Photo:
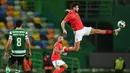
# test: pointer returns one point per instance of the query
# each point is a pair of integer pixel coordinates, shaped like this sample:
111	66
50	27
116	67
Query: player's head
19	23
120	58
60	38
75	7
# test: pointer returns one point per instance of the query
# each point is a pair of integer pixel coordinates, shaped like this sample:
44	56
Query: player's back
19	36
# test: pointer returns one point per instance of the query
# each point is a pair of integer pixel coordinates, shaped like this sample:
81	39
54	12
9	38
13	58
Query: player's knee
95	31
66	66
57	67
76	50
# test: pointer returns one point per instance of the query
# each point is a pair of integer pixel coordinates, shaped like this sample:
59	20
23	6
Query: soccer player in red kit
58	63
79	29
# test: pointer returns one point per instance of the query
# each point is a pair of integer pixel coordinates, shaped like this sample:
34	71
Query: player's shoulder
57	44
21	30
70	12
10	32
24	30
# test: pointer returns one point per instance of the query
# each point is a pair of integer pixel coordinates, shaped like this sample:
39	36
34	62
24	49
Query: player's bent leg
63	68
78	37
69	49
57	69
57	65
77	46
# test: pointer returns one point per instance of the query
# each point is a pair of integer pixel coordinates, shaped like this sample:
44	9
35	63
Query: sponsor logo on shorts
76	40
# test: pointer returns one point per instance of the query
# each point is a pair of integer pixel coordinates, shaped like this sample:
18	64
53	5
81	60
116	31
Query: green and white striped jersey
18	37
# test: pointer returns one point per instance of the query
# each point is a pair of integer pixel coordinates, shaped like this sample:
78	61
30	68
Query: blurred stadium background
42	20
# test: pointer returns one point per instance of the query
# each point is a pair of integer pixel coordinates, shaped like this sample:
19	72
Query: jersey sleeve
68	17
26	36
10	35
56	46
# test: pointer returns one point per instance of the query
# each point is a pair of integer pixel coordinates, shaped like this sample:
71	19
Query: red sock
62	69
56	71
109	32
66	49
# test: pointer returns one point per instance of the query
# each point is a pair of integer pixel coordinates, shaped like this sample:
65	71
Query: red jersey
55	55
74	19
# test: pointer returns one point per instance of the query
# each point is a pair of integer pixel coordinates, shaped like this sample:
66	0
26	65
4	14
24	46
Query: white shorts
82	32
58	63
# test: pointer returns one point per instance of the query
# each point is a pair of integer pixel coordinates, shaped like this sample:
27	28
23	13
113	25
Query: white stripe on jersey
26	37
10	37
19	51
18	55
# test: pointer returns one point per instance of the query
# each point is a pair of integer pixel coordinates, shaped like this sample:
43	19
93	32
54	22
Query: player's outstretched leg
100	31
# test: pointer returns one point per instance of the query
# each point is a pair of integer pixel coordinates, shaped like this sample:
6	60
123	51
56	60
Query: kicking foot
116	31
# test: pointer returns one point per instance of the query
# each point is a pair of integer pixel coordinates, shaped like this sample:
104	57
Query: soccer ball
121	24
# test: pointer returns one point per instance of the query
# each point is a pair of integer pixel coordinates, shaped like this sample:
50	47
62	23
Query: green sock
7	69
18	69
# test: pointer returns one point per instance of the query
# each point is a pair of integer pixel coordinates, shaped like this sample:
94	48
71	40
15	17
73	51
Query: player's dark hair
61	35
18	23
74	5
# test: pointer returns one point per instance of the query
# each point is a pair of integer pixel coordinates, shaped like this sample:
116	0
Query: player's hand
64	32
29	54
67	10
64	54
5	56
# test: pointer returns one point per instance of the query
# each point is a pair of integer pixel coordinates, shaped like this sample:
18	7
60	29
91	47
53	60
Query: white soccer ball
121	24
